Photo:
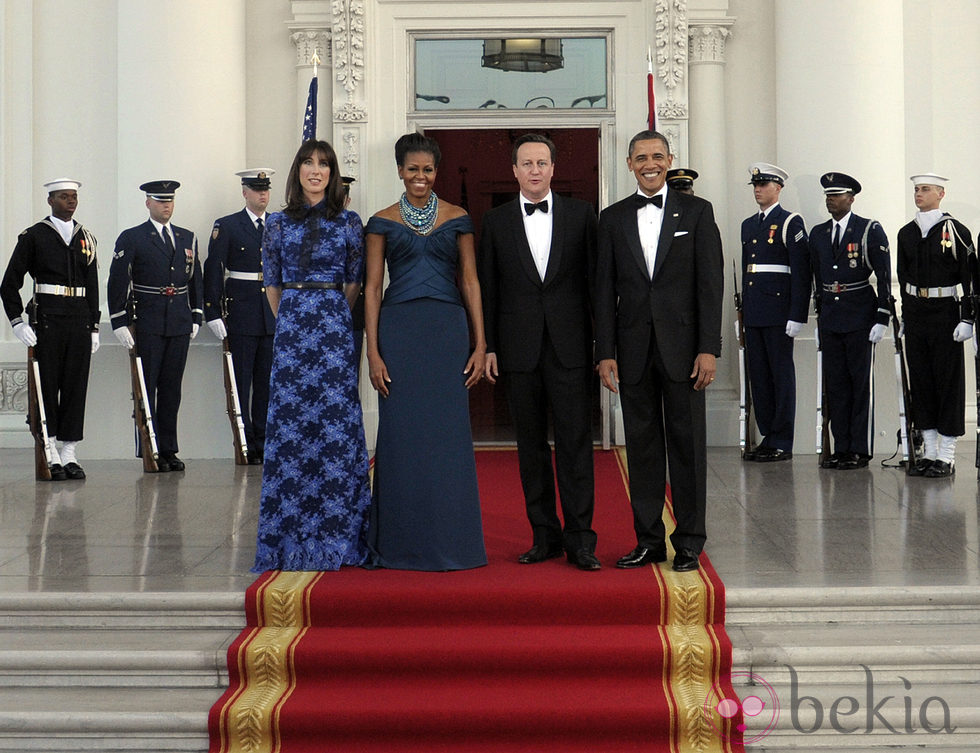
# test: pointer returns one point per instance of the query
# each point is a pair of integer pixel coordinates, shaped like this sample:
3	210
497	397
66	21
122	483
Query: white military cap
62	184
763	172
928	179
257	178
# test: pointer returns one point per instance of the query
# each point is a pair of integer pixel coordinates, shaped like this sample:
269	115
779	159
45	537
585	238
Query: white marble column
829	118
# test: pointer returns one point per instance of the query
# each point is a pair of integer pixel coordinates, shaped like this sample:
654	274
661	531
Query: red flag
651	103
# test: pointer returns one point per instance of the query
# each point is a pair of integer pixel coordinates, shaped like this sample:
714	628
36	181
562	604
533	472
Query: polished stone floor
779	524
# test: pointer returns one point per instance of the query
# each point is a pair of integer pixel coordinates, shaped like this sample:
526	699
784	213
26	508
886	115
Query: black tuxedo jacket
682	304
518	305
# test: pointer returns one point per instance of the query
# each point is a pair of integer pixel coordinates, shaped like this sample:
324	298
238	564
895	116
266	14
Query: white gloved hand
194	330
793	328
124	336
963	332
95	342
976	344
901	330
26	334
217	326
877	333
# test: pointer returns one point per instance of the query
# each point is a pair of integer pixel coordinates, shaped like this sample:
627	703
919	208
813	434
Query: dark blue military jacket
236	246
852	304
770	298
167	290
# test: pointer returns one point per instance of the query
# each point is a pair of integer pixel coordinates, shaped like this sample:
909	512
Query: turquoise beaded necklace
423	219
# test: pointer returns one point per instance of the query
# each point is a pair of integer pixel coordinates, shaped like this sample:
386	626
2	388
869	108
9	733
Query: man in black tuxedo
537	258
658	331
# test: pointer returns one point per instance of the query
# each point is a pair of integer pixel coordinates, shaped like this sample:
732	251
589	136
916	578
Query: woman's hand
474	367
379	374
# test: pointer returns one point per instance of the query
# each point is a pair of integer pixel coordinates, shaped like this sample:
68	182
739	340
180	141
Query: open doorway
476	173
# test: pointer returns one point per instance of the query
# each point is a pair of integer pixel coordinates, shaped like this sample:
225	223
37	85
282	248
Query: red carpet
507	657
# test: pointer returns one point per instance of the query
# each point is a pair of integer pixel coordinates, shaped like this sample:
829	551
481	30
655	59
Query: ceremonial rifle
746	432
37	420
907	432
142	416
234	406
823	415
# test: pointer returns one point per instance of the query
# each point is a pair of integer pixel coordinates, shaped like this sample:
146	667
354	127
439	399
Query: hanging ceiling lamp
527	55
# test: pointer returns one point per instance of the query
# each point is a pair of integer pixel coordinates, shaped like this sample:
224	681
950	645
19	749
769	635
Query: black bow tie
657	201
530	208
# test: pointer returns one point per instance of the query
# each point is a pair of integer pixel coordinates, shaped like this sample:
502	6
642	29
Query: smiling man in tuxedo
659	293
537	256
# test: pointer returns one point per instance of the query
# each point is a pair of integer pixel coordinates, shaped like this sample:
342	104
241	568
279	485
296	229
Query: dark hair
334	194
648	136
532	138
416	142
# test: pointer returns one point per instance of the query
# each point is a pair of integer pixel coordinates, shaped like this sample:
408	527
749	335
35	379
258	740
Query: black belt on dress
313	285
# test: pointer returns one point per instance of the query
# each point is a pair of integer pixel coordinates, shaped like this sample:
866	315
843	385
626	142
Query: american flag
309	119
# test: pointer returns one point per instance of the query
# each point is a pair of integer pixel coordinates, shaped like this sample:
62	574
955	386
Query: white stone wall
115	92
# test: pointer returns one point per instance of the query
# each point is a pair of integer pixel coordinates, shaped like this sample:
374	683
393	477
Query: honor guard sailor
852	316
776	280
155	294
62	317
935	262
235	304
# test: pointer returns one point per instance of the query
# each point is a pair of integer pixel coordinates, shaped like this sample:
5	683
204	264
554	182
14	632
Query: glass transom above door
514	72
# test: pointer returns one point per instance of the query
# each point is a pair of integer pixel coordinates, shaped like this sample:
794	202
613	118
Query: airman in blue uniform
852	316
155	295
776	284
235	305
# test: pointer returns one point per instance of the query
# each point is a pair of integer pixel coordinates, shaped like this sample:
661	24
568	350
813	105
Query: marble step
105	719
107	658
943	605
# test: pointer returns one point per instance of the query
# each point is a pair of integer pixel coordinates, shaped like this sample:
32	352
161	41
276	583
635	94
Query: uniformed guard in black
156	287
63	316
934	274
235	304
852	316
776	284
682	179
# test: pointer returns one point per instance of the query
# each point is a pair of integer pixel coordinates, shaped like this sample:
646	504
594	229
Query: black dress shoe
58	472
540	553
255	457
642	556
175	463
584	559
940	469
832	462
751	453
685	560
162	465
853	461
921	467
74	471
773	454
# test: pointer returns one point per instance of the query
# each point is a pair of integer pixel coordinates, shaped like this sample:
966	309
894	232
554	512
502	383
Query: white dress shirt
537	227
649	220
160	229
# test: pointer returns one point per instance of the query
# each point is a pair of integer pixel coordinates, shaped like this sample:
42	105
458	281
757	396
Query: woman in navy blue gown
426	507
315	489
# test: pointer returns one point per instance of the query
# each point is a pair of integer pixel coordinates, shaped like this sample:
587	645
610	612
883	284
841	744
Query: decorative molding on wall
707	42
348	59
13	390
309	40
350	157
671	46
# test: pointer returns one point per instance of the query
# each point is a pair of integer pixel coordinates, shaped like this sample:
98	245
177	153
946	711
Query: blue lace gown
426	505
315	488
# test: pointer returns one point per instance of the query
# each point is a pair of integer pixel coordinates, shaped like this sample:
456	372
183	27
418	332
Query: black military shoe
940	469
175	463
58	472
74	471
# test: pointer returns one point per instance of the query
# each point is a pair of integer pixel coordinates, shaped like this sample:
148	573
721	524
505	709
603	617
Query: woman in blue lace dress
315	489
426	507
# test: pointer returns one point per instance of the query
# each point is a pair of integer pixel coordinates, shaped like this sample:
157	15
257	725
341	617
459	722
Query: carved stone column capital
348	58
706	42
307	42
